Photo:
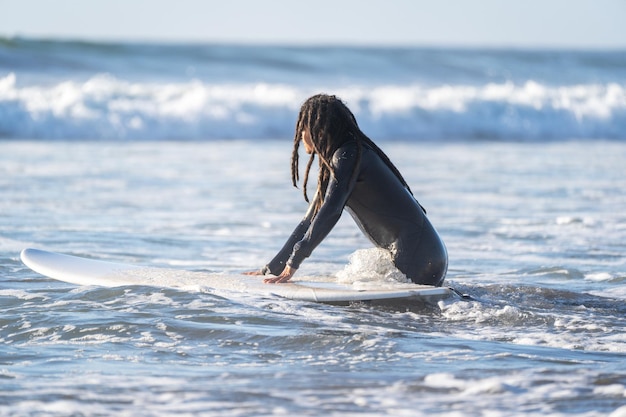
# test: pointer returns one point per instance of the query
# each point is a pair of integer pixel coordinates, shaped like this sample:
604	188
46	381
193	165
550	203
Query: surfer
356	175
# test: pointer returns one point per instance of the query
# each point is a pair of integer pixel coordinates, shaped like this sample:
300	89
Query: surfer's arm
339	189
277	265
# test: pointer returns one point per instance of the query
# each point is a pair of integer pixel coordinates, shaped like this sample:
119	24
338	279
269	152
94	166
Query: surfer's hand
284	276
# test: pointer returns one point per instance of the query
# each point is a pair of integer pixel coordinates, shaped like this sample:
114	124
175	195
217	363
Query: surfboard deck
91	272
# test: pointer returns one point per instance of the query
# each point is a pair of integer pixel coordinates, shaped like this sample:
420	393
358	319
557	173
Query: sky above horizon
464	23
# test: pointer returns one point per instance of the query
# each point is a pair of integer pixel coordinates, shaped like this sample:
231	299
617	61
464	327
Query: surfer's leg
423	257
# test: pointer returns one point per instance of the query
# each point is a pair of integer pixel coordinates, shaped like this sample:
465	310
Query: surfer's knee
425	271
433	274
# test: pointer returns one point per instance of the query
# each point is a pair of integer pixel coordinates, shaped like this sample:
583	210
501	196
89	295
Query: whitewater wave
105	107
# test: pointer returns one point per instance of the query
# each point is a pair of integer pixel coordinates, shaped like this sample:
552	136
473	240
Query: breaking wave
105	107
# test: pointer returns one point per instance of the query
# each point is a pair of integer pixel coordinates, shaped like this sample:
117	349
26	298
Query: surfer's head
324	124
329	123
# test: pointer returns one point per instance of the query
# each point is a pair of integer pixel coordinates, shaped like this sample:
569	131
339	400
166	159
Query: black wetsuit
384	210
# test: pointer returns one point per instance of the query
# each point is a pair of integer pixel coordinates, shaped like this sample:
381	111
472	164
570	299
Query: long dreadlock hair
331	124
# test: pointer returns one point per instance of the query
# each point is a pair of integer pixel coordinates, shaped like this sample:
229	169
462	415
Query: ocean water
78	90
178	156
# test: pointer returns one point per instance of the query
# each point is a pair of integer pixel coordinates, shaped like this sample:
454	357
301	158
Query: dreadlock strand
295	172
306	176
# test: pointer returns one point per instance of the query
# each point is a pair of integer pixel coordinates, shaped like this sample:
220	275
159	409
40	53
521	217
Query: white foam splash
371	265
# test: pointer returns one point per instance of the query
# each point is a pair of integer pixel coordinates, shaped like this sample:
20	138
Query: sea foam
105	107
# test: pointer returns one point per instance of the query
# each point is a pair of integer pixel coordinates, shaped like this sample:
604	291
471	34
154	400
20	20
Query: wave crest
104	107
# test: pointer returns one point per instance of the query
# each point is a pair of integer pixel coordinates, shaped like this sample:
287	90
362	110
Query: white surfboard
83	271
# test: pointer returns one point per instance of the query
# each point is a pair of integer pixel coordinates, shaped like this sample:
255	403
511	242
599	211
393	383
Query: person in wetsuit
356	175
